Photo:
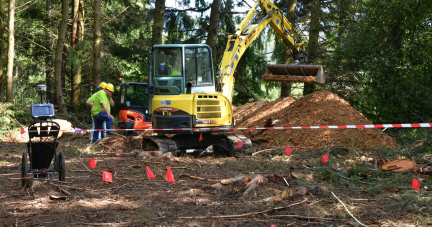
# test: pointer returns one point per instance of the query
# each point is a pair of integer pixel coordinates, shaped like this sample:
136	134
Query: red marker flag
150	173
200	137
92	163
169	176
10	135
288	150
118	155
415	184
22	131
273	226
324	158
107	176
239	144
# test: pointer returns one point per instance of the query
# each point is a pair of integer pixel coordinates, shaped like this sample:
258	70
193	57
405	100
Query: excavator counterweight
294	73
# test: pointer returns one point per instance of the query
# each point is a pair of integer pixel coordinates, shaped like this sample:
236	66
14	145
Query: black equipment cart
42	151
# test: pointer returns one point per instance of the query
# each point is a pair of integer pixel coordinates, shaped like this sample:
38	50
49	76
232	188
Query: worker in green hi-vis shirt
176	68
101	111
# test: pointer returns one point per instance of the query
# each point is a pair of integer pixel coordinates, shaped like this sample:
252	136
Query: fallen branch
198	178
271	149
261	151
348	210
64	191
347	178
299	217
55	197
253	180
254	183
9	174
245	215
294	191
91	172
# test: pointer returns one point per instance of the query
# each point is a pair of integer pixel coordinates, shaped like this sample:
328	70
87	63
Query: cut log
398	165
251	180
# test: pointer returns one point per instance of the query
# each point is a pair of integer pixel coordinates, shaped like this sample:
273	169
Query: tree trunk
59	57
291	16
97	39
213	29
2	54
77	35
313	39
49	53
11	40
158	22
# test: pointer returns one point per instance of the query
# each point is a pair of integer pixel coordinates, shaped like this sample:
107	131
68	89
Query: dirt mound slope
251	113
320	108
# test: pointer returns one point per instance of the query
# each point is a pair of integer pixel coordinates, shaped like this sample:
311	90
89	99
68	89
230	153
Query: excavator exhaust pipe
312	74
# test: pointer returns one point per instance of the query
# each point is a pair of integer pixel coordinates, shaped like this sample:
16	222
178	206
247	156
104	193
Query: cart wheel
24	169
62	167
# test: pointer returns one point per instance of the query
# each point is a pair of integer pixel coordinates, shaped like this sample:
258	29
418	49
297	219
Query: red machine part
136	118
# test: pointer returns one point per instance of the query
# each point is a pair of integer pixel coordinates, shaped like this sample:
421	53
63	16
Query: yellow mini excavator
190	109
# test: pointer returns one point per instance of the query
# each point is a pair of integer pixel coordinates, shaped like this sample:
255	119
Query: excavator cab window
167	75
198	66
168	62
136	95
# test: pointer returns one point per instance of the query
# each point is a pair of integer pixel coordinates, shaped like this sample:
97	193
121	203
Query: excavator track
158	143
234	138
225	142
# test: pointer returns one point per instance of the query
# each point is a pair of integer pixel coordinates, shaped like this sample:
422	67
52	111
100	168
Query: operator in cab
176	66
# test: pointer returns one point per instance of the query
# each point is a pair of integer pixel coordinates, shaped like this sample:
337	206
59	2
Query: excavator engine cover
294	73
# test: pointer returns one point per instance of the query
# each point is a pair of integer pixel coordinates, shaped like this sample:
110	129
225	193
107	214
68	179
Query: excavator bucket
295	73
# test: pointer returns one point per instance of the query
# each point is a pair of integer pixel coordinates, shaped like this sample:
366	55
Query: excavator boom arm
251	26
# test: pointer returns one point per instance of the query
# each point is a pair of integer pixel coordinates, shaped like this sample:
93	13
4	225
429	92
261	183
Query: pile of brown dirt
320	108
246	114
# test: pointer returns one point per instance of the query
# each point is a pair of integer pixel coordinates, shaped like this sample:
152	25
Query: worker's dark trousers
99	120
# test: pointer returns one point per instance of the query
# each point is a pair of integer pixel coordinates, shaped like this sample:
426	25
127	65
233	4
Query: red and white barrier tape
407	125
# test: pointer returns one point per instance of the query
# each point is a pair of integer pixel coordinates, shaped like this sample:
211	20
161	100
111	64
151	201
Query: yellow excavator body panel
207	109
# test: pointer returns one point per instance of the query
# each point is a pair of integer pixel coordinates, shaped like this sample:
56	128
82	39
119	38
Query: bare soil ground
281	190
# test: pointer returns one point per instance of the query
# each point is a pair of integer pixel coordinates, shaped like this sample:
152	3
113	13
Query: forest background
376	53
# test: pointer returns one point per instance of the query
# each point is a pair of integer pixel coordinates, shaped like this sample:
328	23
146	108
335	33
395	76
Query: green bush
14	116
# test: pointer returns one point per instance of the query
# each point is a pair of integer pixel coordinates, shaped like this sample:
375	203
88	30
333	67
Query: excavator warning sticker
205	121
252	35
165	102
277	21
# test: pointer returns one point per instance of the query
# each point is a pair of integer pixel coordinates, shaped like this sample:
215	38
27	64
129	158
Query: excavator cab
181	80
134	113
176	68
